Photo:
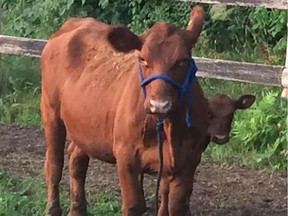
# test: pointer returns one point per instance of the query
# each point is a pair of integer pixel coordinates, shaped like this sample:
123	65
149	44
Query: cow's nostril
157	106
220	137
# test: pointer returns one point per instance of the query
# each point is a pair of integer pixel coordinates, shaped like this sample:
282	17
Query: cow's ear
123	40
194	28
244	101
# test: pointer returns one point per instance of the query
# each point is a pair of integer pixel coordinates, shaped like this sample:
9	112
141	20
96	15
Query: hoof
76	209
53	209
53	212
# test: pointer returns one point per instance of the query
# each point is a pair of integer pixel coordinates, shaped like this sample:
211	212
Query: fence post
1	72
284	78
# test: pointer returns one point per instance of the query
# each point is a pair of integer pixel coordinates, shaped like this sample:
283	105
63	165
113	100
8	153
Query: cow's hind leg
78	165
55	135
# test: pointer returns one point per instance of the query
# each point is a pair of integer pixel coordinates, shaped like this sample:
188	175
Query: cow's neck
176	132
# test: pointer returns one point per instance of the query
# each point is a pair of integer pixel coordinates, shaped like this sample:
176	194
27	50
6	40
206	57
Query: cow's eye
143	61
182	62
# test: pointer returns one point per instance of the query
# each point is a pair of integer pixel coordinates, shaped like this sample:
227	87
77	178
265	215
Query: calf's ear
244	101
122	39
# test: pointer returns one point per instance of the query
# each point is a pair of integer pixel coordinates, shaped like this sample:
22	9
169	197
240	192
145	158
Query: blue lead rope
159	130
184	88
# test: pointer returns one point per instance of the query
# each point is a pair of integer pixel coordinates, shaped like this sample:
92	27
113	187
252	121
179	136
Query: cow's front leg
128	167
164	192
180	189
78	165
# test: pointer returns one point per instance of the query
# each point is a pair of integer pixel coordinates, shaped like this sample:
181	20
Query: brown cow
91	92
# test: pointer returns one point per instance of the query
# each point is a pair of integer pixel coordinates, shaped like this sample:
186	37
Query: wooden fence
212	68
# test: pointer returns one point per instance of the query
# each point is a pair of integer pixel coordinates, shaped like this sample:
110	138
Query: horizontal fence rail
239	71
21	46
211	68
277	4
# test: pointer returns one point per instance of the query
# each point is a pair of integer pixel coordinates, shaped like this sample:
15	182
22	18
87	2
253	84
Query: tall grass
19	95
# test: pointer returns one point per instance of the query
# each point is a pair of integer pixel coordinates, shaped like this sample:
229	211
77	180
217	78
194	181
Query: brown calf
91	92
221	111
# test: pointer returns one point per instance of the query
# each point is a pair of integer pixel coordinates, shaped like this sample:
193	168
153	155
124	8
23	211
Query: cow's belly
100	150
89	119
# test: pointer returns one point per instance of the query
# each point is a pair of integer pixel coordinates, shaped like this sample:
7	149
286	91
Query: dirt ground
218	190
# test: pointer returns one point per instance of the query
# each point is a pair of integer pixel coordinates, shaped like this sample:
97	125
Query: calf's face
221	111
163	49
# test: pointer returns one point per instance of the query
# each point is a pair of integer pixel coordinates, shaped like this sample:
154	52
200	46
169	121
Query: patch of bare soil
218	190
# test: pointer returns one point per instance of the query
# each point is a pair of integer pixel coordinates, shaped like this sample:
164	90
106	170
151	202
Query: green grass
20	109
27	197
104	204
19	92
19	73
21	196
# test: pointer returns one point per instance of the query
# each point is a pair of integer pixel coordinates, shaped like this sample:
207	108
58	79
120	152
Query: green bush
247	29
263	129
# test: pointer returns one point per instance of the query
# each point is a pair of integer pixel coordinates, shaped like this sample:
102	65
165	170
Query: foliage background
259	134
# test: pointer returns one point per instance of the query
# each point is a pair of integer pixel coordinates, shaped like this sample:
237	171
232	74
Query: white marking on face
160	106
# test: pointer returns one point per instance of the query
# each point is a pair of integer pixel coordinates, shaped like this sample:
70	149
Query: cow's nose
161	107
220	138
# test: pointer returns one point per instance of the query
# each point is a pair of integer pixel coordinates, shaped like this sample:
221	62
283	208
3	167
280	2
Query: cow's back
66	48
83	79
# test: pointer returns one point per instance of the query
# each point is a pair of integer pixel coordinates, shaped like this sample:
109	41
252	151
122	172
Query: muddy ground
218	190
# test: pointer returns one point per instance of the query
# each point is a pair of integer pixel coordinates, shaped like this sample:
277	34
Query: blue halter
184	88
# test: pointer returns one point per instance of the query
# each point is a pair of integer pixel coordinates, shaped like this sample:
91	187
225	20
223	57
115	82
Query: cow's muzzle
220	139
160	106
